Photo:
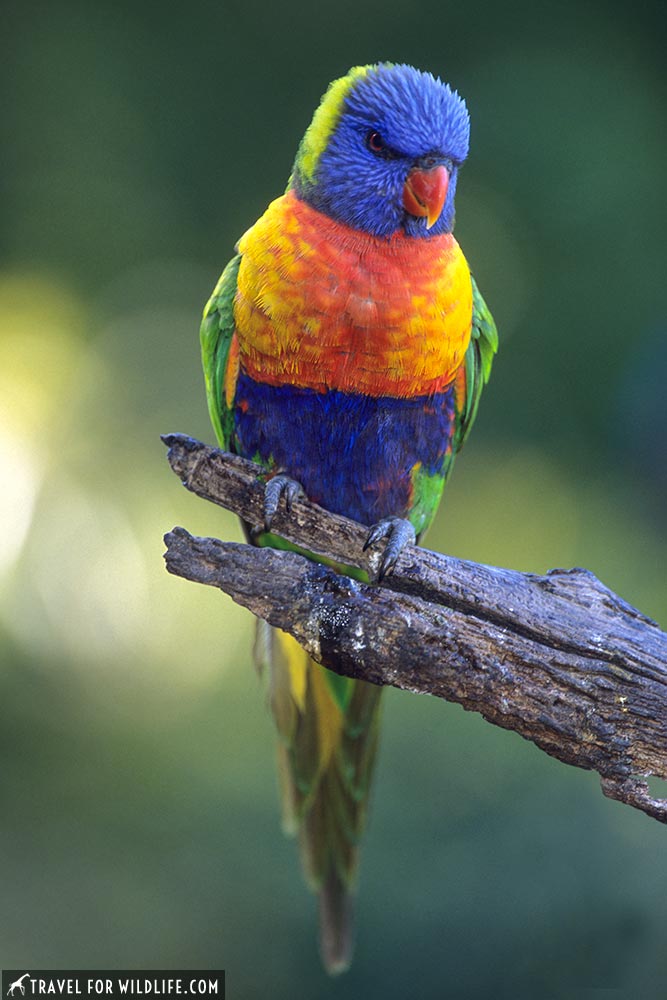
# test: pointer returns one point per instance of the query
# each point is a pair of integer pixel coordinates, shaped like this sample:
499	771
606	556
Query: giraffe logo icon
17	985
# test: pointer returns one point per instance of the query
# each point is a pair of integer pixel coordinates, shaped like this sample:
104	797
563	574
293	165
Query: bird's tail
328	733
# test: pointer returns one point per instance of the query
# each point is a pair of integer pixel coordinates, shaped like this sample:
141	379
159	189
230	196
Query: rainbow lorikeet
345	349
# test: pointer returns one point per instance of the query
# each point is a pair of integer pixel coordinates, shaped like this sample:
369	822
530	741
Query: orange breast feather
324	306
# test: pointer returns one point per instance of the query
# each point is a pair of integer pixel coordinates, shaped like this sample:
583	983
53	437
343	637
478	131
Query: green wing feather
471	379
479	359
216	332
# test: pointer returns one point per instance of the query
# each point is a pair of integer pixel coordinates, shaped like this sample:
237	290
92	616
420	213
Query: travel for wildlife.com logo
17	983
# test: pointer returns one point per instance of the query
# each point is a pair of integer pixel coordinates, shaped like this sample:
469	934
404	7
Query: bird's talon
279	486
377	532
292	492
399	532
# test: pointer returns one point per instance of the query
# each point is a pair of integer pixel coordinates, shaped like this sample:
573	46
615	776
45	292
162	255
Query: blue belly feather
353	454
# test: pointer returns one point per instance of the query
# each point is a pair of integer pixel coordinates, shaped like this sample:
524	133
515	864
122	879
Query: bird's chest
325	307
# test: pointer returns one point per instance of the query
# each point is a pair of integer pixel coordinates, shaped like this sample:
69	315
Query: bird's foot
279	486
399	532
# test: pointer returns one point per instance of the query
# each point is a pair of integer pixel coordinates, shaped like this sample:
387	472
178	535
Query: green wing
216	333
471	378
479	359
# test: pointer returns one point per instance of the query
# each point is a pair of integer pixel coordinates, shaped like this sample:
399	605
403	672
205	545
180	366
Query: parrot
345	349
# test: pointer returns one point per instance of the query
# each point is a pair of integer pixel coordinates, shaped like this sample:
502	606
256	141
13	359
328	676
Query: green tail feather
325	776
336	925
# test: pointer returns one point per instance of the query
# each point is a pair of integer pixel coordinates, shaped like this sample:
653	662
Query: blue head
383	150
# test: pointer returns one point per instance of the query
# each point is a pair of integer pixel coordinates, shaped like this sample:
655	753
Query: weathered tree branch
559	659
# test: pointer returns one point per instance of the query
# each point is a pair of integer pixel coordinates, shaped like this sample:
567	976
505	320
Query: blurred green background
139	811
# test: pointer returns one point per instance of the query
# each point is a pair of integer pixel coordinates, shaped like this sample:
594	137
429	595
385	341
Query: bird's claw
399	532
279	486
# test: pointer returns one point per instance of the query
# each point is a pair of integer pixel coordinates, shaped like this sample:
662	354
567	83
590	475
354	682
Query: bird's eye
375	142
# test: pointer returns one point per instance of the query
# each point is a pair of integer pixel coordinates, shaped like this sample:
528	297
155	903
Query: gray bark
559	659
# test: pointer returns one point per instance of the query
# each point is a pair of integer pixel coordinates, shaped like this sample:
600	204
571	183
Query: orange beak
425	192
